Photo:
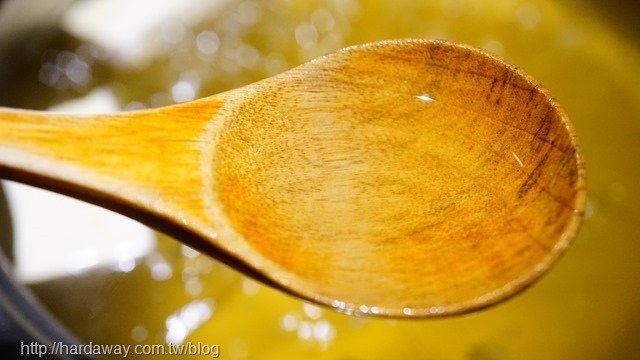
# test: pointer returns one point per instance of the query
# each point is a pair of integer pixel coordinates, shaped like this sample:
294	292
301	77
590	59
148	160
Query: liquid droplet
517	159
425	98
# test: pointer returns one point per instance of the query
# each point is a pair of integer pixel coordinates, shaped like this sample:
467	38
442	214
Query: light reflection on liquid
139	333
187	319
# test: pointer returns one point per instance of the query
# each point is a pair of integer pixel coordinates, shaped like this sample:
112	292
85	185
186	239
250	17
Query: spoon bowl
406	178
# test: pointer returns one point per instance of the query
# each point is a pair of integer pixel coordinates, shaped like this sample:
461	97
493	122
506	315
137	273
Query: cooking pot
23	319
585	52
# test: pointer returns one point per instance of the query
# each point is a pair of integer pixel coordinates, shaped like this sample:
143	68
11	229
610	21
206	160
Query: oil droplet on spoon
425	98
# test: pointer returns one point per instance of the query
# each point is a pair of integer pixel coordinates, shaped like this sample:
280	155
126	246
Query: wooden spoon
398	178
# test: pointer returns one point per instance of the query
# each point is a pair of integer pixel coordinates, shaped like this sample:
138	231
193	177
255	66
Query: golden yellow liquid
587	307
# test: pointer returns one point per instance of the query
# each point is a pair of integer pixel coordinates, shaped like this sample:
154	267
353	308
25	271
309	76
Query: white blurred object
98	101
20	16
133	30
56	236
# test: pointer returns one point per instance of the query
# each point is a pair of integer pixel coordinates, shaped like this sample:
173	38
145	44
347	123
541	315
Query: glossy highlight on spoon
378	180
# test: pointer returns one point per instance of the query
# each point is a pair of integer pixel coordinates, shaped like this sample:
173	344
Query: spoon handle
138	162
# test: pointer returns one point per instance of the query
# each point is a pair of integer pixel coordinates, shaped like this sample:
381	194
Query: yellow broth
587	307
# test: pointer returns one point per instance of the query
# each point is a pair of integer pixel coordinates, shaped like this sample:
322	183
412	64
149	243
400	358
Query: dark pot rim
28	319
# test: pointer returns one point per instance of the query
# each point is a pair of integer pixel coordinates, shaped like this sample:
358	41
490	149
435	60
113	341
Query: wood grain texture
399	178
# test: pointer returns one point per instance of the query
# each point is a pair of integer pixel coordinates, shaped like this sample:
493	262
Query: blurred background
78	273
